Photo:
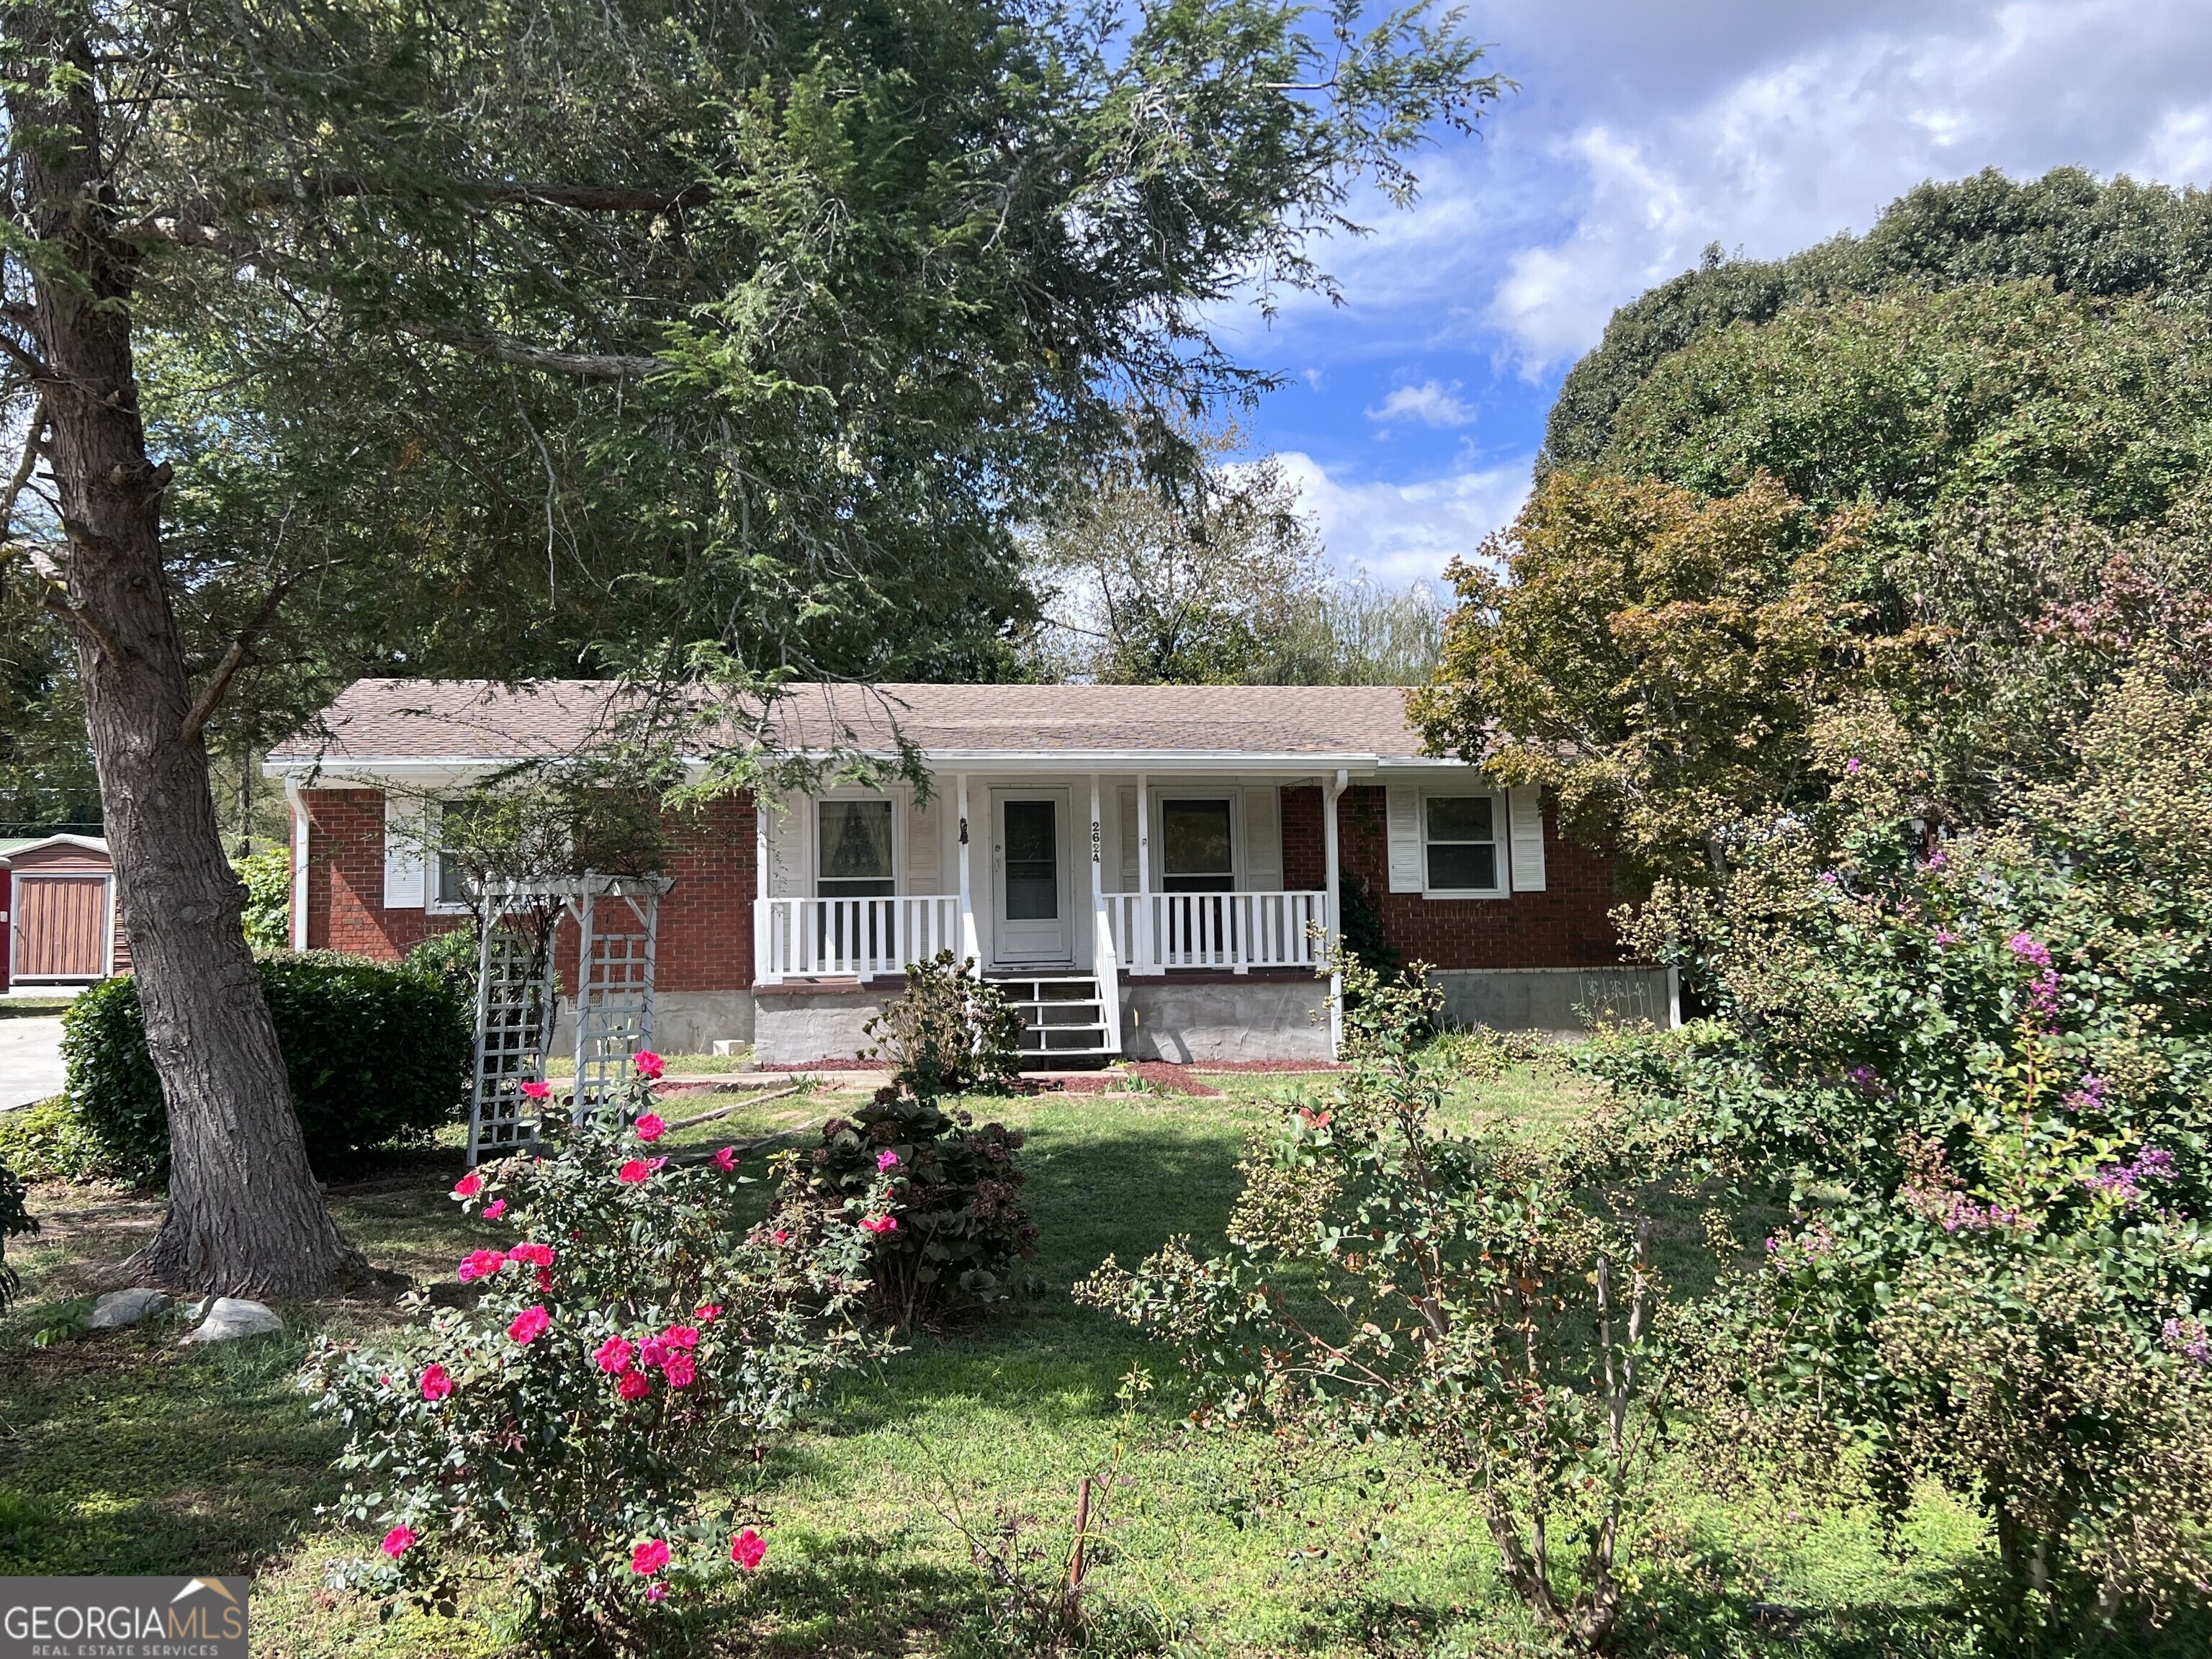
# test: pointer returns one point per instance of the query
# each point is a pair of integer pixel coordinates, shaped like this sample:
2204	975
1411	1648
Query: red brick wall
1565	925
706	936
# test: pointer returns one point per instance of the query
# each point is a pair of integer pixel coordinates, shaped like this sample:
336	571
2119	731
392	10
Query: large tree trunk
244	1214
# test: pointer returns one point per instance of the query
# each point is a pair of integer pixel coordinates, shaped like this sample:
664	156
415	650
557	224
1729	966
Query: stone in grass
120	1307
229	1317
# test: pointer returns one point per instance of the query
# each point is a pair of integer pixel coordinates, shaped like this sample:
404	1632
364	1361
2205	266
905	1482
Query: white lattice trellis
617	920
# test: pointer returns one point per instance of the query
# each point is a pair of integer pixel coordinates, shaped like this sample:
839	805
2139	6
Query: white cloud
1405	533
1431	404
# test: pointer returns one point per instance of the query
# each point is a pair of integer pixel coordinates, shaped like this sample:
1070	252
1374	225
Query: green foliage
15	1219
1654	658
1979	1067
642	1338
950	1032
958	1229
451	958
268	878
1388	1280
48	1141
374	1055
2066	228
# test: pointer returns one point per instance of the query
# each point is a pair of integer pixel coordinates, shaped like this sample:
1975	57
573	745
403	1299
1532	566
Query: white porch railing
857	937
1236	931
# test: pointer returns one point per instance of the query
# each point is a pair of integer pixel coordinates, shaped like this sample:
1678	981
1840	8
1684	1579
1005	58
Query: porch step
1063	1017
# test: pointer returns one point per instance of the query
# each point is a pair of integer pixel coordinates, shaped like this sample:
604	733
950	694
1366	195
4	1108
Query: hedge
376	1055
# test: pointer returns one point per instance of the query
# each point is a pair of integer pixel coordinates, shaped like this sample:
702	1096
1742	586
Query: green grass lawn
125	1453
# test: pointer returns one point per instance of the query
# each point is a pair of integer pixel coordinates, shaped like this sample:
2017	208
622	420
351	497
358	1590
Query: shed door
61	926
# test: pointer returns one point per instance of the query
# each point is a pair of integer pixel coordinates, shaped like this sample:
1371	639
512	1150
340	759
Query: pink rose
650	1127
779	1236
633	1385
437	1383
707	1313
748	1549
495	1209
469	1185
886	1160
529	1324
879	1224
656	1591
633	1172
537	1255
678	1370
537	1090
726	1159
680	1336
398	1541
613	1355
649	1064
650	1557
479	1264
652	1353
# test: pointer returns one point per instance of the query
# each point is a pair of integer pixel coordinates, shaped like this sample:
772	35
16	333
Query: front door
1032	920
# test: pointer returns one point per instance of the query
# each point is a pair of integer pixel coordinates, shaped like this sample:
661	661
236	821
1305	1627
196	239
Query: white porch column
1147	951
1102	930
971	947
1333	933
764	923
299	870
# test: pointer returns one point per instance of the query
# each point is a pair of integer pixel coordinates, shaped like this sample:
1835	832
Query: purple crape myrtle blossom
2191	1338
2089	1097
2124	1181
2024	947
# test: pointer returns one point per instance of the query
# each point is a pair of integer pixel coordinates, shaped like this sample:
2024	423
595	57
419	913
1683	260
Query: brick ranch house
1145	868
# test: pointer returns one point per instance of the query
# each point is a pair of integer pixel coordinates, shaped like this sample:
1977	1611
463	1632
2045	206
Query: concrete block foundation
1192	1021
1563	1001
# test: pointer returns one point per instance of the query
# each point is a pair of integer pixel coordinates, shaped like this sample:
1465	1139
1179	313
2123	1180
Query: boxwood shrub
377	1055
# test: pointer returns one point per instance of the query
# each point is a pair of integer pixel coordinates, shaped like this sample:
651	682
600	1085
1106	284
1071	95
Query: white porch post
1333	932
763	922
299	918
1102	931
1147	953
971	948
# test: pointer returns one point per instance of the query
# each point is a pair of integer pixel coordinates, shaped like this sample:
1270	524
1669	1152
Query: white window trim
1231	794
1500	840
900	887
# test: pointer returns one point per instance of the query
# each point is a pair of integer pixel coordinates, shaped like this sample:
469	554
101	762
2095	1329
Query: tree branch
219	682
606	366
197	223
24	467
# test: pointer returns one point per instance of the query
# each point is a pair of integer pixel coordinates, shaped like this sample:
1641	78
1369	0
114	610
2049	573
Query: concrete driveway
30	1060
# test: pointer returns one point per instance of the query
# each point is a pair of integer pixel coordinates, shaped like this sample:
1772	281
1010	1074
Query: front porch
1117	909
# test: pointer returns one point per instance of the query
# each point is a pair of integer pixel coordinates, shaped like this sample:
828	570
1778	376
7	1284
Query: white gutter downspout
299	862
1334	934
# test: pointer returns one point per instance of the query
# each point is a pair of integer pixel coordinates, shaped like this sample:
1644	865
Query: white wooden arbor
617	923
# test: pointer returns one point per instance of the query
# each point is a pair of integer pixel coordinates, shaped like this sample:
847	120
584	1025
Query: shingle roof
477	721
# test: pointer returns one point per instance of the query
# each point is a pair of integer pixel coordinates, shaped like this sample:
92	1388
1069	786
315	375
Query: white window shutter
790	821
405	825
1263	841
1403	816
1526	813
1129	818
925	865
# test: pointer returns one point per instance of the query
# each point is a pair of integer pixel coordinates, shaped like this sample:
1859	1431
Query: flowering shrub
1980	1070
1388	1280
940	1198
949	1033
635	1340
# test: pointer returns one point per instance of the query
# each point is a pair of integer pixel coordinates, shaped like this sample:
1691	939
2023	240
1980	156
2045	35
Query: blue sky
1644	129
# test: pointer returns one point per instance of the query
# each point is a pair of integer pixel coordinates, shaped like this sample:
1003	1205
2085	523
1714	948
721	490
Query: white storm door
1033	919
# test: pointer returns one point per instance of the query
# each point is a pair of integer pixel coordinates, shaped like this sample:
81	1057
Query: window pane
1195	838
452	882
1462	868
1460	817
1032	861
856	843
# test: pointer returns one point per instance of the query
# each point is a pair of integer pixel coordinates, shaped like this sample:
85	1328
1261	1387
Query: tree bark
246	1217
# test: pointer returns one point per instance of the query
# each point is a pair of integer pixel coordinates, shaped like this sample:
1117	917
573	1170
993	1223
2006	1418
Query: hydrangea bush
637	1340
951	1233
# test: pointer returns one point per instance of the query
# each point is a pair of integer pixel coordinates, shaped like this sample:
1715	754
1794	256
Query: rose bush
573	1426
